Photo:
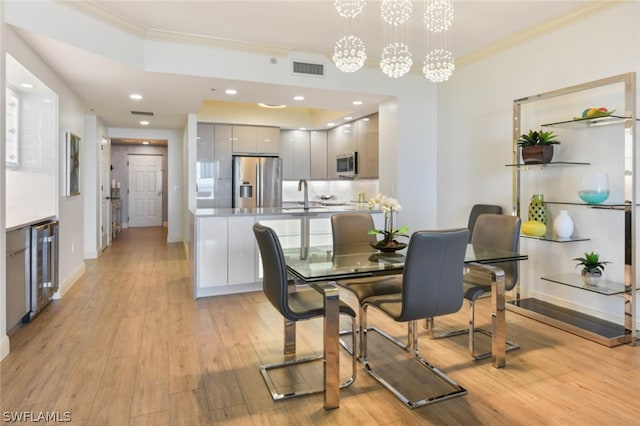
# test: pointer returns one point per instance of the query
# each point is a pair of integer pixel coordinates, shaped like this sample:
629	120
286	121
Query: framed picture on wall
73	165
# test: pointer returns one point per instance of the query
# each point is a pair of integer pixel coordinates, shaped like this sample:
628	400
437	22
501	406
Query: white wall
475	128
4	340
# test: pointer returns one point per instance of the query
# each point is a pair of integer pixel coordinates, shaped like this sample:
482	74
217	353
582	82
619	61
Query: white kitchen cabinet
268	140
256	140
223	149
367	135
244	139
295	153
205	165
211	255
241	251
318	155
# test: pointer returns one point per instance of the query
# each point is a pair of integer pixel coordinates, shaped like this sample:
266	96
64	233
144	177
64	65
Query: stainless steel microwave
347	164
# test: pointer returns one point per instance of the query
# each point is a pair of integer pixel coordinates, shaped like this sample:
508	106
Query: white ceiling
286	26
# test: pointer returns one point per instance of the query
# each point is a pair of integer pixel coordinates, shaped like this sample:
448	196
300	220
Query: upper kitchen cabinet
295	154
318	142
256	140
368	146
360	136
268	140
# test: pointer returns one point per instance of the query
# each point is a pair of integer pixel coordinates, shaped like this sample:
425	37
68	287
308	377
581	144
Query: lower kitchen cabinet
241	254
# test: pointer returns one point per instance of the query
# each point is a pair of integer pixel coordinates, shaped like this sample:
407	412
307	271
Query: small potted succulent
592	267
537	146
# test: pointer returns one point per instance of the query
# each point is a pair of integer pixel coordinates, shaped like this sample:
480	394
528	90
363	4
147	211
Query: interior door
145	190
105	194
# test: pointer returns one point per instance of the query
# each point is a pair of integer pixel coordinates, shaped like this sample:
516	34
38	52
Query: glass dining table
320	268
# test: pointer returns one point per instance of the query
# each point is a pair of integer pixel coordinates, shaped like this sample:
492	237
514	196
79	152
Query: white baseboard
69	281
4	347
90	254
165	224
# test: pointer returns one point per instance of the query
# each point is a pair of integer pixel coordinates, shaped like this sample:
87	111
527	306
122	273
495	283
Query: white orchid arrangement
388	206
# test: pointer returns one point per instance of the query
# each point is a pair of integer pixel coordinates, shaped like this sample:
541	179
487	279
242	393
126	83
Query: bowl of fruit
594	113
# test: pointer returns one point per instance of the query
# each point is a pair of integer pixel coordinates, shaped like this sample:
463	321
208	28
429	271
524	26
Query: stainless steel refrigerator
257	182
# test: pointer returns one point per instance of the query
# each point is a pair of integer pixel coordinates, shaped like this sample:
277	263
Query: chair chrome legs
363	330
456	391
289	337
264	369
471	332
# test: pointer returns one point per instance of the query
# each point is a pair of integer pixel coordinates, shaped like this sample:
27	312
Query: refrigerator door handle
259	183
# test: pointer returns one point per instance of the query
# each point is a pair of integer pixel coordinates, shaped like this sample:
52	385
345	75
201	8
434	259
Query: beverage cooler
44	265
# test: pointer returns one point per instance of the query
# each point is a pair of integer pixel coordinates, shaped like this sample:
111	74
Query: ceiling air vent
145	113
308	68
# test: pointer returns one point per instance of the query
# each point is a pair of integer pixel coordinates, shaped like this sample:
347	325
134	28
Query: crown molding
578	13
95	11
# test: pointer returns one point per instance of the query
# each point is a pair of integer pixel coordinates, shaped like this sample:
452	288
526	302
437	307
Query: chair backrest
479	209
350	232
274	279
432	277
500	232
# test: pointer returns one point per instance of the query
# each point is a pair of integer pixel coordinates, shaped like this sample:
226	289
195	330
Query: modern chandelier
397	59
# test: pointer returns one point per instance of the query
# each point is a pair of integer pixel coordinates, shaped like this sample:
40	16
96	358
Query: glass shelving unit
596	329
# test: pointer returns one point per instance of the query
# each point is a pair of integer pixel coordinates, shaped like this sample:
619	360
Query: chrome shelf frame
560	317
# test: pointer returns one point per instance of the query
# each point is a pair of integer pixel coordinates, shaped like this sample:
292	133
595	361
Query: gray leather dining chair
293	306
477	210
431	286
350	235
491	231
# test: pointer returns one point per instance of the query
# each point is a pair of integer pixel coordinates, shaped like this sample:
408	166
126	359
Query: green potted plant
592	267
537	146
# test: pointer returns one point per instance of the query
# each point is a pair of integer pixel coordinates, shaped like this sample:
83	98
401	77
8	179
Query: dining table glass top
319	263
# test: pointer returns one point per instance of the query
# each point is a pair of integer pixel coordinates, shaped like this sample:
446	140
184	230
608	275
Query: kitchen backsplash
341	190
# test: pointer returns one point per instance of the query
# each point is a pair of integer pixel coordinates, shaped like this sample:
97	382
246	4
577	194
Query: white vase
563	225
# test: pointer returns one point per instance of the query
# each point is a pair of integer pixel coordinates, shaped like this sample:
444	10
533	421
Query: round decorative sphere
396	12
439	16
534	228
349	8
438	65
349	54
563	225
396	60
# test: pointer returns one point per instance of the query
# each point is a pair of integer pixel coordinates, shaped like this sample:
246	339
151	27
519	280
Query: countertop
290	209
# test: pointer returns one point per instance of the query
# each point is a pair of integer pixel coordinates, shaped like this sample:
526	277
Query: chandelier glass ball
396	12
349	54
439	15
396	60
349	8
438	65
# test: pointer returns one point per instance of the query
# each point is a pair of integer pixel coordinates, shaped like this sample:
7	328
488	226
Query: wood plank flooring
128	344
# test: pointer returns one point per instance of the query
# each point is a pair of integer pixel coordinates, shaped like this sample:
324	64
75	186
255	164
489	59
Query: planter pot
537	154
591	277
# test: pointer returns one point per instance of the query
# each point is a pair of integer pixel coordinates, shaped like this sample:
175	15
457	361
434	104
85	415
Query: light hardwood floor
128	344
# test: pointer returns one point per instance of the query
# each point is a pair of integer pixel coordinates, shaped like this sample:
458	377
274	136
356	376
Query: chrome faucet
306	192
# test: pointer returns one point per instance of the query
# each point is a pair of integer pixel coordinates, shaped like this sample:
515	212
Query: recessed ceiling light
357	102
348	118
144	123
302	128
135	96
145	142
365	119
331	124
298	98
230	91
263	105
26	85
347	125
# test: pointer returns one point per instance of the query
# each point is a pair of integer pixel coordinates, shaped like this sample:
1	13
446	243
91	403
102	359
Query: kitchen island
223	254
